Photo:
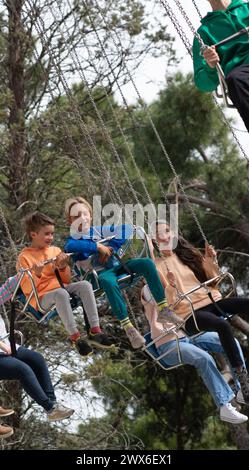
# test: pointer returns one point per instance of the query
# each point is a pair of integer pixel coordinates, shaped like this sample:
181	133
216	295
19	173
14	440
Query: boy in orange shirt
40	231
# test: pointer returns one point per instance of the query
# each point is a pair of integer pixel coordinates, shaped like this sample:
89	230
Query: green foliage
164	410
144	407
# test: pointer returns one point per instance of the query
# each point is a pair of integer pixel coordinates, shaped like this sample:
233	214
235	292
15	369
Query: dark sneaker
83	348
100	341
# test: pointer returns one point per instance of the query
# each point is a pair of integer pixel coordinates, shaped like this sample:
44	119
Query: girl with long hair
184	267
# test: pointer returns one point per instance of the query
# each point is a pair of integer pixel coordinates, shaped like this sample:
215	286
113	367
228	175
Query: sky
150	76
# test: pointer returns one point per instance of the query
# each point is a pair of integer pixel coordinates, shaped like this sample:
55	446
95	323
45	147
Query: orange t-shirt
48	280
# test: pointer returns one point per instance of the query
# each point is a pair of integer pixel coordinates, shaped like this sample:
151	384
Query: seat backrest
31	312
7	289
152	348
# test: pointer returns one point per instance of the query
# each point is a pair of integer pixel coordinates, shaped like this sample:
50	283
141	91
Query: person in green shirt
227	18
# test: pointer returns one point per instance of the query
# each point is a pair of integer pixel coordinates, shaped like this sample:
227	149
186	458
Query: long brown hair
192	257
188	254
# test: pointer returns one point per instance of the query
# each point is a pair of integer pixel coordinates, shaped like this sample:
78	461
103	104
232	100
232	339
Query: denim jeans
195	351
31	369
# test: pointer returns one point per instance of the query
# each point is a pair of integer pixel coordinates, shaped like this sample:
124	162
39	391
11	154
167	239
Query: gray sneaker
243	379
59	412
166	315
239	398
136	340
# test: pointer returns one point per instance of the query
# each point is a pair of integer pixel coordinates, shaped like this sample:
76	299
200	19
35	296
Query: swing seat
17	332
152	351
41	315
31	312
150	347
126	281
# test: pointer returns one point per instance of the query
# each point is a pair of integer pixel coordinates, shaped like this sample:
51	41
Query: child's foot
167	316
6	412
100	341
5	431
239	398
231	415
136	340
82	346
59	412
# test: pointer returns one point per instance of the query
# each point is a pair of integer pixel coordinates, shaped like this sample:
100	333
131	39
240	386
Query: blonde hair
76	200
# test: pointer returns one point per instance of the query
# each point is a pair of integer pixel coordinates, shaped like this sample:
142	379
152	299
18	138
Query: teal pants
108	281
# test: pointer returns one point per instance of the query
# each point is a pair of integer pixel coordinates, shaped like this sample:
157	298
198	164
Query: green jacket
216	26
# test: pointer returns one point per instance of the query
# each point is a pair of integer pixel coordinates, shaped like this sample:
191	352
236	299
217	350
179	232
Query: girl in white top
30	368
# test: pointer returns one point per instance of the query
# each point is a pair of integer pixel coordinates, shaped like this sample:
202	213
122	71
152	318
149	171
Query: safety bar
233	36
222	80
17	332
223	86
166	331
96	279
185	295
216	279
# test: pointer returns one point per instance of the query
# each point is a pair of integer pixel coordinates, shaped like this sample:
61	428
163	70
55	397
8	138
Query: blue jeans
31	369
195	351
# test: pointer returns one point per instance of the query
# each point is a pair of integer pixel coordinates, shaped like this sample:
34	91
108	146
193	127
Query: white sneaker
231	415
239	398
59	412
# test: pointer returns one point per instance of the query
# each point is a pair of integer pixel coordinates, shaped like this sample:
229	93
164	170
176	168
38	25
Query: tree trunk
240	436
16	122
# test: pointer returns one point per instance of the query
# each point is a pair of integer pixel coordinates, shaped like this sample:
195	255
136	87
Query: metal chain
203	46
41	31
177	26
4	311
78	66
134	122
189	23
197	9
107	133
12	243
80	165
165	153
